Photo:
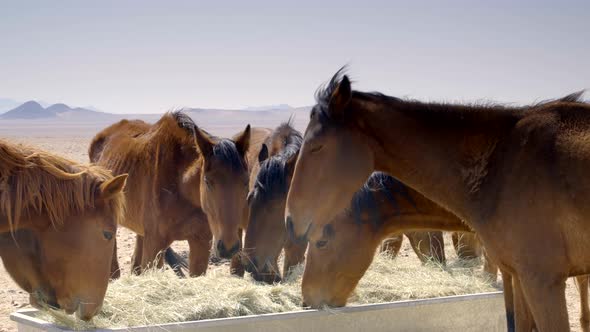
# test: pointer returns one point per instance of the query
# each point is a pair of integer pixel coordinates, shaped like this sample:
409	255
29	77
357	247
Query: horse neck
423	218
404	209
445	160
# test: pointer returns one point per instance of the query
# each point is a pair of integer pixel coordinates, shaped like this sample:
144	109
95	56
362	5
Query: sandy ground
75	147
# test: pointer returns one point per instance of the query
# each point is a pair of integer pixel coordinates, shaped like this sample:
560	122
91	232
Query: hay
160	297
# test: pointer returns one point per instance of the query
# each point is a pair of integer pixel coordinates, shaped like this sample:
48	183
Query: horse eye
316	149
321	244
107	235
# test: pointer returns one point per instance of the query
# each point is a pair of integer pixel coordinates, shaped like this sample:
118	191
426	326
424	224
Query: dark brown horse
516	175
382	207
184	184
266	236
73	211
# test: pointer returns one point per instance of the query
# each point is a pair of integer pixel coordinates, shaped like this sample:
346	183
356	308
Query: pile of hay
160	297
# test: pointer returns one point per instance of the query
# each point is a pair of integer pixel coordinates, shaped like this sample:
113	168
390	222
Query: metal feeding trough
474	312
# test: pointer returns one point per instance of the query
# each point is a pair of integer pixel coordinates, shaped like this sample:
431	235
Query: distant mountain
34	110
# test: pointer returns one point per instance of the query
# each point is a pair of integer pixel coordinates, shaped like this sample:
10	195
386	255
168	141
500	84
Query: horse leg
508	300
236	267
153	249
546	301
456	244
115	269
582	283
523	319
198	256
137	255
294	255
428	245
437	247
490	268
466	245
391	246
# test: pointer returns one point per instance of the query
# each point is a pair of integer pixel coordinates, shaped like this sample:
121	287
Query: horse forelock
34	182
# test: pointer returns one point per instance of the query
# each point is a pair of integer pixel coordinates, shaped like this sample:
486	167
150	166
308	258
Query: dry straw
160	297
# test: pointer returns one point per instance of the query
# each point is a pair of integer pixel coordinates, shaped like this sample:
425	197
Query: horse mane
225	150
272	176
492	115
142	145
34	182
379	187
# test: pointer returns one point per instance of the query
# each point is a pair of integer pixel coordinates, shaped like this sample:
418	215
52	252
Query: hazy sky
147	56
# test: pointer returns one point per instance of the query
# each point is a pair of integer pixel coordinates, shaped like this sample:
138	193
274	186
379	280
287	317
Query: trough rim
28	316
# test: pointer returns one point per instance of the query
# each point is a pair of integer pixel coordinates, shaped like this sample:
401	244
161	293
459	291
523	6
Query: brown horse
382	207
73	211
266	235
516	175
184	185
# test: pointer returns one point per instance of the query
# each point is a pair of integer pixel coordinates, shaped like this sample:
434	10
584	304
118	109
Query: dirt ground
12	298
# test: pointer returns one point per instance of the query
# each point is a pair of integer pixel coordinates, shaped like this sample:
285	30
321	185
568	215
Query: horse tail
175	261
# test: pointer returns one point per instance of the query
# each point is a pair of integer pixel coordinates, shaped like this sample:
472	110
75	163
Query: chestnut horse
184	185
516	175
73	211
382	207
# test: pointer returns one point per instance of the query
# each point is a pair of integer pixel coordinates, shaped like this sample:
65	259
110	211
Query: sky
152	56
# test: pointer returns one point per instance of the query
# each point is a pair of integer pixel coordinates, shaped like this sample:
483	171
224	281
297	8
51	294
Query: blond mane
34	182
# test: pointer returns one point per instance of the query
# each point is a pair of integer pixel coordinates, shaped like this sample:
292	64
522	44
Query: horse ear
243	141
263	154
340	97
290	164
204	143
112	187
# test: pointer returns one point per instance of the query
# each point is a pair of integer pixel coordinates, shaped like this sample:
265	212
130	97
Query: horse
73	211
383	206
185	184
515	174
265	235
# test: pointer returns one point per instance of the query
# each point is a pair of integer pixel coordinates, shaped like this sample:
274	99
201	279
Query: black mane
272	177
378	187
224	149
185	122
436	113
